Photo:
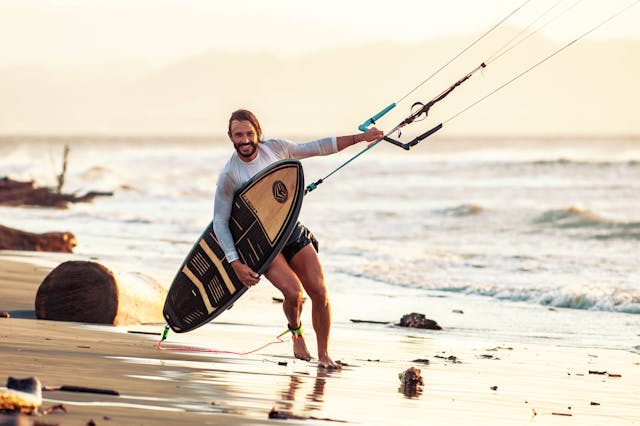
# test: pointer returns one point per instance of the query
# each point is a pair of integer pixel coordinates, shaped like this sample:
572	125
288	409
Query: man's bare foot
326	362
300	350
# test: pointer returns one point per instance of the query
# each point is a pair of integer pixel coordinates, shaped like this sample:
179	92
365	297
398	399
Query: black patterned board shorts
300	238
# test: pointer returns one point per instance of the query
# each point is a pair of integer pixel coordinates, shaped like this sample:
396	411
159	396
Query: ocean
518	238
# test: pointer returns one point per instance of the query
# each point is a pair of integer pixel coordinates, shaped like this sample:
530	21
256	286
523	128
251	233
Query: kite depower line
420	111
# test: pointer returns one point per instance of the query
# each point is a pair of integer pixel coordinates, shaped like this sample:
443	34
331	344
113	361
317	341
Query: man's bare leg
306	265
285	279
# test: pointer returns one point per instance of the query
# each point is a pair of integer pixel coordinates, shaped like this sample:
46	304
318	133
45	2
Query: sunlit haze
75	31
64	61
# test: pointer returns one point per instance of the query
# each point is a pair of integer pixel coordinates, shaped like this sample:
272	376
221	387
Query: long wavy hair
246	115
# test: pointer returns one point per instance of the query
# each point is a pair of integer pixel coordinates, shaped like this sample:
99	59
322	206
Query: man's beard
254	145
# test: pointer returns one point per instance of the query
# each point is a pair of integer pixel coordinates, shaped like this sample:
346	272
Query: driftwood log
15	239
25	193
89	292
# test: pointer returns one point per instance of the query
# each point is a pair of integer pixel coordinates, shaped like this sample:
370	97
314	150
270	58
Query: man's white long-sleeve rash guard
236	172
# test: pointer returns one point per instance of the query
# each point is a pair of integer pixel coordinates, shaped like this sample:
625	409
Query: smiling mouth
244	146
242	149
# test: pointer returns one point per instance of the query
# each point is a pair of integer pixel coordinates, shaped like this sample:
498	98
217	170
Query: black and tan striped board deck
264	213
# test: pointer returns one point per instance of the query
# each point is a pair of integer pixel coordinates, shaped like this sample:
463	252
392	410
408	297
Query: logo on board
280	192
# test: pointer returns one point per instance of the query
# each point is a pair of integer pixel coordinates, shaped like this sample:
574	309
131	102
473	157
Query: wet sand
475	380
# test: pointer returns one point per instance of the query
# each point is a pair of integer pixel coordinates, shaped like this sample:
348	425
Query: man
297	267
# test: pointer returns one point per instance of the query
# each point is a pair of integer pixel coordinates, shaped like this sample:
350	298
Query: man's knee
317	291
293	294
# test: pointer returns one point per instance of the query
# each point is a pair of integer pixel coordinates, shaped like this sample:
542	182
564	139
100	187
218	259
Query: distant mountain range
592	87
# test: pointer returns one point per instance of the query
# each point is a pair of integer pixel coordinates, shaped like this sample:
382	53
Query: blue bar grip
365	126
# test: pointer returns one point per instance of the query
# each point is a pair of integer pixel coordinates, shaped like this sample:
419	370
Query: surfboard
264	213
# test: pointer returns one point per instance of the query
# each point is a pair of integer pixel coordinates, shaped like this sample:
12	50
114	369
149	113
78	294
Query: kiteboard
264	213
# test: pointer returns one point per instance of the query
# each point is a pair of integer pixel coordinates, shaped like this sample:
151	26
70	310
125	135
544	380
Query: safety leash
216	351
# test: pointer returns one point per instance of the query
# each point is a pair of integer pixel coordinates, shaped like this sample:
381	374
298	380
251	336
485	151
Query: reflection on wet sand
314	397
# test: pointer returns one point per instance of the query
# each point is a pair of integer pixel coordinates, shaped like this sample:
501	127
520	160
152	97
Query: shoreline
473	380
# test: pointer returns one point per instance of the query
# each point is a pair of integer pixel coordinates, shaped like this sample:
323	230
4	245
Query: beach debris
283	363
416	320
605	373
553	413
454	359
486	356
497	348
25	193
594	403
411	376
280	300
422	361
89	292
22	396
494	388
16	239
411	382
458	311
5	314
283	415
81	389
57	407
359	321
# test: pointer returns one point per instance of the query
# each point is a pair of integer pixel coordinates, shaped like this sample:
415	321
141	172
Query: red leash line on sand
189	349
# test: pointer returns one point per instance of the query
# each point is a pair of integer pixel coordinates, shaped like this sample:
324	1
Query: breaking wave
577	217
576	297
585	297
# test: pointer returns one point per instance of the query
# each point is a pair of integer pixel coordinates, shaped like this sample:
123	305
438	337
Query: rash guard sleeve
223	202
299	151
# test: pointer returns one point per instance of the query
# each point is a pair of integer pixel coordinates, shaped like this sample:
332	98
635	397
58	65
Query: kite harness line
419	111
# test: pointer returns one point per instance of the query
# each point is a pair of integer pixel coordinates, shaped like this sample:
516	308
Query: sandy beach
470	381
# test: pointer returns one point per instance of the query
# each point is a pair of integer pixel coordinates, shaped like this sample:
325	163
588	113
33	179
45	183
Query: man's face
244	138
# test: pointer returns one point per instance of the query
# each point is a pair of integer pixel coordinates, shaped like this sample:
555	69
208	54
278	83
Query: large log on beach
15	239
89	292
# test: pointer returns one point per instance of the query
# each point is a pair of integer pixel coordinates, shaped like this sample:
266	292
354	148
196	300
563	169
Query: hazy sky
53	32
